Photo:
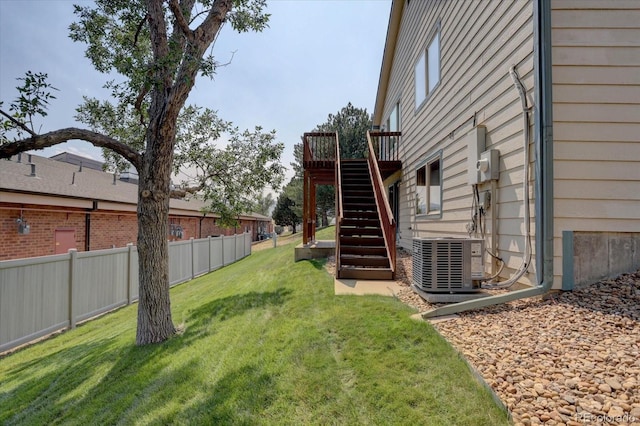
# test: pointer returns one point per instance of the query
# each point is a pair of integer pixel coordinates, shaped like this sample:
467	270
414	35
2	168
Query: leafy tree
263	204
159	48
325	203
32	102
284	213
352	124
293	190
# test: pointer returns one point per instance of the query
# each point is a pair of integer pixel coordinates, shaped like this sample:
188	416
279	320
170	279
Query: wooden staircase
362	250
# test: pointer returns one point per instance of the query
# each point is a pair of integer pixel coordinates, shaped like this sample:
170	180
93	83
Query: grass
264	341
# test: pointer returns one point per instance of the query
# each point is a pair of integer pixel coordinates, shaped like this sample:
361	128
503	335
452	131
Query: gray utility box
451	265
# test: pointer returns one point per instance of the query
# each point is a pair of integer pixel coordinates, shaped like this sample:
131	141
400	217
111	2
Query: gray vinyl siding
479	41
596	110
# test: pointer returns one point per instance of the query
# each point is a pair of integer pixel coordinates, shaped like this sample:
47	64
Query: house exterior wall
108	229
99	211
479	42
596	125
41	239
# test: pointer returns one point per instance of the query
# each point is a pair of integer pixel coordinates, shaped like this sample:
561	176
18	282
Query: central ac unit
451	265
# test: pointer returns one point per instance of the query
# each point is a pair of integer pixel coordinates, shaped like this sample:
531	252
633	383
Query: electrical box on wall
475	146
489	165
24	228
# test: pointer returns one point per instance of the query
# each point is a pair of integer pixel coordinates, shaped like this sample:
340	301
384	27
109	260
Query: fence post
275	239
210	252
73	276
193	258
223	257
130	273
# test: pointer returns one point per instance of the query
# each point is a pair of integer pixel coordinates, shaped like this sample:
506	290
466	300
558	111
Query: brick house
48	207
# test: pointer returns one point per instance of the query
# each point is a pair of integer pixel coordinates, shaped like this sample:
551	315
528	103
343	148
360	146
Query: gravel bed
571	358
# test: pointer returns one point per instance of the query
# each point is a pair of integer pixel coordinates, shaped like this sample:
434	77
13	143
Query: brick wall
209	228
41	239
107	229
110	229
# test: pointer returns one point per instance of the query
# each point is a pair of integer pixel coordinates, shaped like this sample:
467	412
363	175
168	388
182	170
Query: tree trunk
325	219
154	306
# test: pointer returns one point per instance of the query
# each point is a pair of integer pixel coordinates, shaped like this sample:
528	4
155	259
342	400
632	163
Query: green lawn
264	341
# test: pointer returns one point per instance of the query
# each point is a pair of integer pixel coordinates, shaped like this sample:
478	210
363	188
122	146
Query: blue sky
316	56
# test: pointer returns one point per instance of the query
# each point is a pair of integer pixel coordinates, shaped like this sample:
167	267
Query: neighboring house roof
70	158
61	179
259	216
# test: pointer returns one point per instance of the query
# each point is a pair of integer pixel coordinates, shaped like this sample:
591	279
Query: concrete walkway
363	287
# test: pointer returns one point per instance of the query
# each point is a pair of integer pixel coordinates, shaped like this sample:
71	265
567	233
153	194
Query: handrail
339	210
384	209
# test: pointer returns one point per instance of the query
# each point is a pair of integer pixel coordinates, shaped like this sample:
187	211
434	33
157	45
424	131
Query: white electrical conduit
526	258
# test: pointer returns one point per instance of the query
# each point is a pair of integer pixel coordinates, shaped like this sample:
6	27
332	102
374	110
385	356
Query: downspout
200	225
543	185
87	225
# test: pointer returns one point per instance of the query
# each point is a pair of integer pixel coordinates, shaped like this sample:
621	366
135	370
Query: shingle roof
57	178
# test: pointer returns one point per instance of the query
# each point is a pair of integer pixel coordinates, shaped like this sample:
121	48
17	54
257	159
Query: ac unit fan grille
443	264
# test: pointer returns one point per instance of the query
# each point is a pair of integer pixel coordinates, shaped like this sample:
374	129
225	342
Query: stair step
359	200
359	214
361	222
356	183
349	231
364	250
354	164
365	273
346	189
360	208
358	193
367	261
367	241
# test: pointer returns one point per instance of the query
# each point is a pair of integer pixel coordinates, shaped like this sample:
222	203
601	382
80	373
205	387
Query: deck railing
319	147
387	221
385	145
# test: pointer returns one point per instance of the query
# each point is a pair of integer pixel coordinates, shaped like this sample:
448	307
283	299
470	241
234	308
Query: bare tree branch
18	123
204	35
63	135
182	192
138	103
181	21
159	41
140	25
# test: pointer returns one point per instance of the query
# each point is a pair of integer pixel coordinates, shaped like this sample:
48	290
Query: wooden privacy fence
41	295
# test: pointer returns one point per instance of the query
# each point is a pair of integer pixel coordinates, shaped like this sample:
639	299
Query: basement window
429	187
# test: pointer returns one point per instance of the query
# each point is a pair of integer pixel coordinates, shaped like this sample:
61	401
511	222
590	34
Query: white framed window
433	62
421	79
393	122
389	144
427	69
429	186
